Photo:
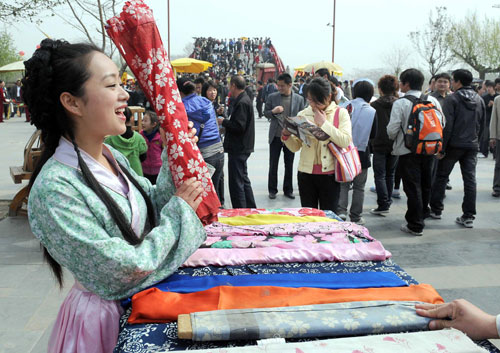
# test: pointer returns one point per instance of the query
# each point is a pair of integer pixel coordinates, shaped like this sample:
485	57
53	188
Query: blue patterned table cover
155	338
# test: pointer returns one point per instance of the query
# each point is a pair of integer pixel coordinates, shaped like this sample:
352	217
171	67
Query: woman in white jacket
316	172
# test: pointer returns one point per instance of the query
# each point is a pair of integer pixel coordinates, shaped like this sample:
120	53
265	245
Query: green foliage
8	52
431	42
476	42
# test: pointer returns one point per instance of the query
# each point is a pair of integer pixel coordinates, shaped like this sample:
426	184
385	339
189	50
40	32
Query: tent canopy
13	67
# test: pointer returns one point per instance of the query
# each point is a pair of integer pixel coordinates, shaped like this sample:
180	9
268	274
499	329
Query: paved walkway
458	262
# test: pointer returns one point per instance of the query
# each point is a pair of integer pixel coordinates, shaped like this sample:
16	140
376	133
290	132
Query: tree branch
79	21
101	19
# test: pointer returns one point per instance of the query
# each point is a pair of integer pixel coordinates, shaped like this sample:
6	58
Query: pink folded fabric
372	251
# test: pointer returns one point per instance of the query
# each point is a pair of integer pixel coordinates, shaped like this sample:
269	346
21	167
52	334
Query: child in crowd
130	143
152	164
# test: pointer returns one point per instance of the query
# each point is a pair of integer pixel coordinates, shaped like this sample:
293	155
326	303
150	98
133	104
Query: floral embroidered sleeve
75	227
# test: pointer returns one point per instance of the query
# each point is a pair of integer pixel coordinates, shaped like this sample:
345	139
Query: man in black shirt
488	98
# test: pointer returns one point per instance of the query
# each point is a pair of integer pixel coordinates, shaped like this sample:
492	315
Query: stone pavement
458	262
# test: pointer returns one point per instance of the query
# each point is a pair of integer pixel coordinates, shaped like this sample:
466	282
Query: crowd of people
112	208
233	56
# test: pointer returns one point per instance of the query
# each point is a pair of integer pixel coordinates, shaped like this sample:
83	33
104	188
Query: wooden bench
32	151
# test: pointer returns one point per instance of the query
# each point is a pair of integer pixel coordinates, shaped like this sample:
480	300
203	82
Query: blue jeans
384	167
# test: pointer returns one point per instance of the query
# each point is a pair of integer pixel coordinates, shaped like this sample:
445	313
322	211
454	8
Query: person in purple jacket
152	164
201	112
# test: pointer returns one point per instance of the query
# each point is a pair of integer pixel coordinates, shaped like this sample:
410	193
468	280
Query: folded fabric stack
289	273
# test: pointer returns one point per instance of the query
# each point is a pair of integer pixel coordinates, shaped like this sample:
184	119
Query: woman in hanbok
115	232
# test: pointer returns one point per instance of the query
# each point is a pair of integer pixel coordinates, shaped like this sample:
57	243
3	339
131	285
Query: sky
366	30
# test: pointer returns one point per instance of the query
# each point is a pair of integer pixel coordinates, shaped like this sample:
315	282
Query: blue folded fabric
187	284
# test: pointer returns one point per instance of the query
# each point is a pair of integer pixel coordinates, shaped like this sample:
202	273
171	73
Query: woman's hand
285	132
319	117
190	191
463	316
192	133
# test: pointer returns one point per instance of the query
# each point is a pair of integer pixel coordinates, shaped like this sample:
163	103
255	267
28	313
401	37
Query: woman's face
316	105
211	93
104	101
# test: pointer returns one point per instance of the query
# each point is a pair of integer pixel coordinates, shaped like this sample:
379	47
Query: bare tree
396	59
26	9
431	42
477	43
186	52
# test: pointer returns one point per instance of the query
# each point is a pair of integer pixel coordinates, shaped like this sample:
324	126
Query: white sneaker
342	216
360	221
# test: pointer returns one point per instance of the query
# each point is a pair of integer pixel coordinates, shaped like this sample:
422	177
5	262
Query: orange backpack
424	132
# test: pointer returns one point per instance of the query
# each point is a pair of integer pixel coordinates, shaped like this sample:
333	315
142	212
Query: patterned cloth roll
135	34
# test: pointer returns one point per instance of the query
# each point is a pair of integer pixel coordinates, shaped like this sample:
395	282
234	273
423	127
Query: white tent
13	67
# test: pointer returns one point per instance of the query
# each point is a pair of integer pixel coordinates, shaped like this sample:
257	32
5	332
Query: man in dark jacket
260	100
278	106
384	162
464	111
239	144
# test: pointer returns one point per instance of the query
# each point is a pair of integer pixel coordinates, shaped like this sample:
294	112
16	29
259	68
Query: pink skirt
86	323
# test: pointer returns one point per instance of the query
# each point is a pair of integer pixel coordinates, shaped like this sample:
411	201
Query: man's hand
285	132
277	110
493	143
463	316
190	192
220	120
490	103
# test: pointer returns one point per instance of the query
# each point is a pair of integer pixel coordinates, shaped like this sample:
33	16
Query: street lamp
333	30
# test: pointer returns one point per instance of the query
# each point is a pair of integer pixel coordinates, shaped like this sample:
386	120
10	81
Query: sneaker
405	229
379	211
360	221
373	189
495	194
342	216
466	222
480	155
435	215
448	186
396	194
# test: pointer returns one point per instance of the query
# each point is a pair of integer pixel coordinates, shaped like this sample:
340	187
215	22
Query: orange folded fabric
155	306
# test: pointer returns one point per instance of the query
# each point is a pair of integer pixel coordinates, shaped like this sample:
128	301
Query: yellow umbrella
190	65
332	67
299	68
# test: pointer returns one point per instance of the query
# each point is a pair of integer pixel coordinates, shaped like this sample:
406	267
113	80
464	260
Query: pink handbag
348	164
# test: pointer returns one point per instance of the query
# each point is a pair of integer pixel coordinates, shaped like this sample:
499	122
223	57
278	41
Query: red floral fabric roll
135	34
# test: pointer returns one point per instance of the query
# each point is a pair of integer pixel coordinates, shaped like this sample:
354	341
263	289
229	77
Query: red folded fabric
135	34
155	306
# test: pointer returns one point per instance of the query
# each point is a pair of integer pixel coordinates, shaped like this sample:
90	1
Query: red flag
135	34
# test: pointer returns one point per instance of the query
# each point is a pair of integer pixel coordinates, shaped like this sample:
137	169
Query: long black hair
57	67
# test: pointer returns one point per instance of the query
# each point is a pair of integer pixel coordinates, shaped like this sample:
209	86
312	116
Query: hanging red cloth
135	34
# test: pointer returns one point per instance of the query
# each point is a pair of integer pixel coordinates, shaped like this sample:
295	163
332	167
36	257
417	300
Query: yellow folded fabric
261	219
